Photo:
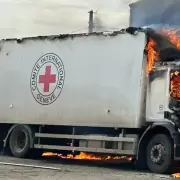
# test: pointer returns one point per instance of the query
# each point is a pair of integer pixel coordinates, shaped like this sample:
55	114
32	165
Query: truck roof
130	30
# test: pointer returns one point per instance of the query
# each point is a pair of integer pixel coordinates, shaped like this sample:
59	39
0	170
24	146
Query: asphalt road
71	170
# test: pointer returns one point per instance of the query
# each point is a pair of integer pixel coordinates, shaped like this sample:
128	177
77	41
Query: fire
176	175
85	156
173	36
49	154
152	54
175	85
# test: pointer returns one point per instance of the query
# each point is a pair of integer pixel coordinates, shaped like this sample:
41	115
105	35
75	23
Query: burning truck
103	93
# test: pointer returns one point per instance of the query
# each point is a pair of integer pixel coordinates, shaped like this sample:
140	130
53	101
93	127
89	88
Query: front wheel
159	154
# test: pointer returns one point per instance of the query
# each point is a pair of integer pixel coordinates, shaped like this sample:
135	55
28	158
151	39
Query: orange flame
152	54
175	85
173	36
84	156
176	175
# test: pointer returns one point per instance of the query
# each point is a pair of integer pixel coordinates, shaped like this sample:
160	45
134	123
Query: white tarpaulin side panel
90	80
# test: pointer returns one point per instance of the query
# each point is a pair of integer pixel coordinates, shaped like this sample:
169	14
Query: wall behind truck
101	76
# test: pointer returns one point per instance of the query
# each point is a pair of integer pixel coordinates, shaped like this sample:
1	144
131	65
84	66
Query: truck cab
163	94
162	113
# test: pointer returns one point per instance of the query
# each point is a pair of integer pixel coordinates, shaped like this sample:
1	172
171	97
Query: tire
19	141
159	154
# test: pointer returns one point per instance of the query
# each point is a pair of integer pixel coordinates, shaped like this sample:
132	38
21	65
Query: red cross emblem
47	78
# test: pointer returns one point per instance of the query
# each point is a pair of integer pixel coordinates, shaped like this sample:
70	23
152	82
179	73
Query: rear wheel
159	154
19	141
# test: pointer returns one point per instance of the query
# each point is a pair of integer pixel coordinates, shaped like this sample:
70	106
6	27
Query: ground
71	170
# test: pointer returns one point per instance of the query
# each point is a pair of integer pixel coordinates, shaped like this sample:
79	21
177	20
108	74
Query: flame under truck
87	93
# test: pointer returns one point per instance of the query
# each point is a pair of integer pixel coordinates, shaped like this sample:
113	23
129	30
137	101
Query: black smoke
156	15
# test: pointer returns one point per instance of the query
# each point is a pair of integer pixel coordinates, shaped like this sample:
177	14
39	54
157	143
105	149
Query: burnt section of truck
130	30
174	97
156	74
166	55
160	69
171	70
168	51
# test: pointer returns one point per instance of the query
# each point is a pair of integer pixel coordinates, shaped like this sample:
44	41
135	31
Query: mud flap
177	147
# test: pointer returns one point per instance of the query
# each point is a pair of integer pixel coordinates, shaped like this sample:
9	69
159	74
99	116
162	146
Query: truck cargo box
84	80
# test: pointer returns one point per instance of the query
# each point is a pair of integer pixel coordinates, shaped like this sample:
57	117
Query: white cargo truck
87	92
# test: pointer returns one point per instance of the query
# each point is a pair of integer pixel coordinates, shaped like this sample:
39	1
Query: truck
88	93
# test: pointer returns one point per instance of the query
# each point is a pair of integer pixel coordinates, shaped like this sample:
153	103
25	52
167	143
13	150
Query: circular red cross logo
47	79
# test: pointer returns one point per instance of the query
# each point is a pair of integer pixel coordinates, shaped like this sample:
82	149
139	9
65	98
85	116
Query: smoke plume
155	12
158	15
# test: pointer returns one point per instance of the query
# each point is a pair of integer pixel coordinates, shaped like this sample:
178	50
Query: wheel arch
163	128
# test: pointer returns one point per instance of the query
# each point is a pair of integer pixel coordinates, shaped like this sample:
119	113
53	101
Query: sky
21	18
